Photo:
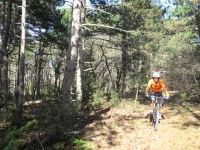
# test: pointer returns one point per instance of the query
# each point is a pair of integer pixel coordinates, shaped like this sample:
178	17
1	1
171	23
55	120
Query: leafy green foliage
60	145
96	99
82	145
115	99
169	44
184	10
100	99
7	108
183	95
9	139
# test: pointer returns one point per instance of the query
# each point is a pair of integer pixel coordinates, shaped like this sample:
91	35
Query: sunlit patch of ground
126	128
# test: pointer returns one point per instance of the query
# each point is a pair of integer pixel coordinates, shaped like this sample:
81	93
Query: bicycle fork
155	112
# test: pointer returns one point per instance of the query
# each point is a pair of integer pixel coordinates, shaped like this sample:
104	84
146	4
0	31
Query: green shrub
115	98
97	101
10	139
82	145
60	144
7	108
183	95
94	95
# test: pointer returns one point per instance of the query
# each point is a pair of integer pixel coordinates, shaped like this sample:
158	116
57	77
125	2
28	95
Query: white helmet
156	75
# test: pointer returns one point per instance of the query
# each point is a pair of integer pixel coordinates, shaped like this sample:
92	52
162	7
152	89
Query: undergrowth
101	99
83	144
10	138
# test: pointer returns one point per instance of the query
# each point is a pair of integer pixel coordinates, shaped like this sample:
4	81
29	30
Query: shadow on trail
188	109
92	125
183	107
104	125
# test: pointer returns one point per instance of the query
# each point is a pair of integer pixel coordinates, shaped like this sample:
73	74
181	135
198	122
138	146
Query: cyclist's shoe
160	116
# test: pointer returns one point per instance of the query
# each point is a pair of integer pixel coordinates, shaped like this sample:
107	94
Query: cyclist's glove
147	95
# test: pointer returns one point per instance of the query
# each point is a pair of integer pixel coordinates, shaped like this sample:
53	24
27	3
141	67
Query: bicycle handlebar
164	97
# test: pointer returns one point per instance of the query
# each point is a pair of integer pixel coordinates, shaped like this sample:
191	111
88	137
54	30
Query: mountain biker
156	85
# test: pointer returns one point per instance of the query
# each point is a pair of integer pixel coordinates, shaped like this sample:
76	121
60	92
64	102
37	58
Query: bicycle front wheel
155	119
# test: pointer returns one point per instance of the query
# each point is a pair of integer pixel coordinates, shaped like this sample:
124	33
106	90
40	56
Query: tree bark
71	60
1	33
4	68
80	63
22	66
39	71
124	65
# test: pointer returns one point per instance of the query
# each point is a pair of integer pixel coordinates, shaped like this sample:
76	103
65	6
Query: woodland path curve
127	127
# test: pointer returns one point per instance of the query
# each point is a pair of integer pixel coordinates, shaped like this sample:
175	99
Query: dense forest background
67	58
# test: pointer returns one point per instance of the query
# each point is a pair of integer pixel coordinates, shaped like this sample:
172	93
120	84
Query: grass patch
83	145
60	144
136	105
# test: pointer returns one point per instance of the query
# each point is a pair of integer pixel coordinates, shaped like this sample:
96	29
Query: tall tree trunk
197	19
80	63
79	92
138	78
1	34
4	68
71	60
21	69
39	71
57	67
124	65
118	78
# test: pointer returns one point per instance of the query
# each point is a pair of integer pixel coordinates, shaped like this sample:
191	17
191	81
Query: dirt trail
126	127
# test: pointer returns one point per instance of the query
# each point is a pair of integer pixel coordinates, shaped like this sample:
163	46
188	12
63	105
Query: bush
82	145
10	139
183	96
115	98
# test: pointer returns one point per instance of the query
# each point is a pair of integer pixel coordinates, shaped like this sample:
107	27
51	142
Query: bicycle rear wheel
155	119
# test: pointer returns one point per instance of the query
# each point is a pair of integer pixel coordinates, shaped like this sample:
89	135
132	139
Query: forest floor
128	127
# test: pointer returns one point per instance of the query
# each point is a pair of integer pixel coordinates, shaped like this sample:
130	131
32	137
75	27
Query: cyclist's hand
167	96
147	95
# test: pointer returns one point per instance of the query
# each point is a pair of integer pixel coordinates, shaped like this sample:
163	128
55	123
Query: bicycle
155	116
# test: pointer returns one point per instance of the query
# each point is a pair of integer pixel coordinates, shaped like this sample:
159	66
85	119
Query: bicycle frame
156	113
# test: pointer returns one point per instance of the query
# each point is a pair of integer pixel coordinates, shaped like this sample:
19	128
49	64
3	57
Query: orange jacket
156	87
